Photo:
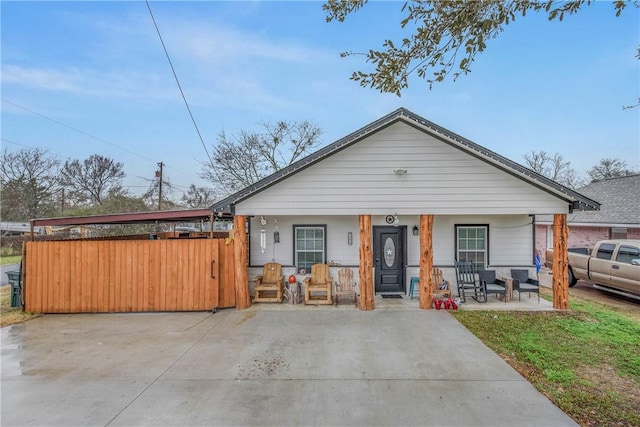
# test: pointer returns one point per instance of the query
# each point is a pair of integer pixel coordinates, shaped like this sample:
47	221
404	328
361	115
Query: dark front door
388	256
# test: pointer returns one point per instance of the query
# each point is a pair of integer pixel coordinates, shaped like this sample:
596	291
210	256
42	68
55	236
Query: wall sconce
396	220
415	230
276	234
349	238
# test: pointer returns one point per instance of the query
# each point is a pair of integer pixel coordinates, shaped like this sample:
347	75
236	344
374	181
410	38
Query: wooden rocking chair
317	288
345	285
270	286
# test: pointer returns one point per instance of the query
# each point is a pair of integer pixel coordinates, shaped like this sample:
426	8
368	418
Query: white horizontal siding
440	180
510	238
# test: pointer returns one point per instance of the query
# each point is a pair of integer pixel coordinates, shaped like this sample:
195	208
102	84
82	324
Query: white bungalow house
390	201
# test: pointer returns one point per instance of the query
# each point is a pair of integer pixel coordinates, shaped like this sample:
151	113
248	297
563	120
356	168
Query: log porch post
426	261
560	267
366	264
243	300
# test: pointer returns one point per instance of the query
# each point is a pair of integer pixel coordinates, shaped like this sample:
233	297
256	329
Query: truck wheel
572	279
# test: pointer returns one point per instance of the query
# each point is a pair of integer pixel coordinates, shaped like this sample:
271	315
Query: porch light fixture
396	220
400	171
415	230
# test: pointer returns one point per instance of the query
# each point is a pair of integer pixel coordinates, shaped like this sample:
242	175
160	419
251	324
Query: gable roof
620	199
574	199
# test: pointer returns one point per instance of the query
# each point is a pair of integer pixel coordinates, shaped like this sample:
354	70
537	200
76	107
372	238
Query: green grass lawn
586	359
14	259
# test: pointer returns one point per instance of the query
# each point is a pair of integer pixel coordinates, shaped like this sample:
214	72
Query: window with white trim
472	244
309	246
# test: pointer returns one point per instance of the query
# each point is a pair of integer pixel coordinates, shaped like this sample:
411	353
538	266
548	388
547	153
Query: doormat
392	296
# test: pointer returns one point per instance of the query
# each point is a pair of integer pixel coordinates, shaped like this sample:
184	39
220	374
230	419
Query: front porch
369	295
405	303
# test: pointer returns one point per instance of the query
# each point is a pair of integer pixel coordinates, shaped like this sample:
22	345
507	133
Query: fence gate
84	276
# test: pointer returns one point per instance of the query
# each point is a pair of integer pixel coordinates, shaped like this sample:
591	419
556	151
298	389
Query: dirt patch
611	381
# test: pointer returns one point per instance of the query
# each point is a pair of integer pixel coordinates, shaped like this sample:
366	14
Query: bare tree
29	181
250	156
198	197
553	166
610	168
90	182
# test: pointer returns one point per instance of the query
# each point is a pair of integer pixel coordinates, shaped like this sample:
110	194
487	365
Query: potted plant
437	302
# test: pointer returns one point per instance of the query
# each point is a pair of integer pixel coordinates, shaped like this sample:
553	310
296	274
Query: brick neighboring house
618	217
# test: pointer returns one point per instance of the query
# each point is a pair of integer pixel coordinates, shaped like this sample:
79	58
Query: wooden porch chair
441	287
269	287
317	288
345	286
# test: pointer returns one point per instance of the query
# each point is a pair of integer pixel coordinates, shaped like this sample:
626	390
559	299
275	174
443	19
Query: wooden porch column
367	292
426	261
560	268
243	300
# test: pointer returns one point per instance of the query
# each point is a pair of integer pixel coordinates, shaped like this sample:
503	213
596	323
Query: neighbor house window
618	233
309	246
472	244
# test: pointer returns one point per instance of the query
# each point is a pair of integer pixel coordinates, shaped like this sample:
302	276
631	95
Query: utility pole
159	175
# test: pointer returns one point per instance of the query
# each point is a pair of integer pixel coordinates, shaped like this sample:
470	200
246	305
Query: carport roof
186	215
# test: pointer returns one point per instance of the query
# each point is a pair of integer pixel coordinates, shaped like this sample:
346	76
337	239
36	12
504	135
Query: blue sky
80	78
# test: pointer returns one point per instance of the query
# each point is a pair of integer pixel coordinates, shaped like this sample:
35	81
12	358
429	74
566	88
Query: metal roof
574	199
152	217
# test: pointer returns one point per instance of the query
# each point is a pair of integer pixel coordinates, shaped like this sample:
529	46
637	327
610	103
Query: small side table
293	293
508	287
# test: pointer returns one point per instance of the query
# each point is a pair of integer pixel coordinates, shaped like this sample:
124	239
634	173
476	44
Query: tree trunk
367	291
560	268
243	299
426	261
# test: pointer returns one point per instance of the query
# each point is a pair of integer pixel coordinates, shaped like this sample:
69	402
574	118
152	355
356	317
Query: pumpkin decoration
292	279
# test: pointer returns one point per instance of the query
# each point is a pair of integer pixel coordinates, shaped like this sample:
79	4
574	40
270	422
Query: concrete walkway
261	367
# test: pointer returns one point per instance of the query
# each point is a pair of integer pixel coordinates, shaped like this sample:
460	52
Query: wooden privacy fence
80	276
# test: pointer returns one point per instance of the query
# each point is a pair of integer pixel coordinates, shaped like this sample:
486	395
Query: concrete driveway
261	367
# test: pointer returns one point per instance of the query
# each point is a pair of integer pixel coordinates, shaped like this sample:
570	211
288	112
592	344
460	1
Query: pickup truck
612	265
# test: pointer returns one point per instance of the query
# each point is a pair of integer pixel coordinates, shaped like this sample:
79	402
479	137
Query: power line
178	83
76	129
82	132
8	141
34	148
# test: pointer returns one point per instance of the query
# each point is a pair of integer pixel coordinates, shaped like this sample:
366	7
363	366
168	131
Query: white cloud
110	84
